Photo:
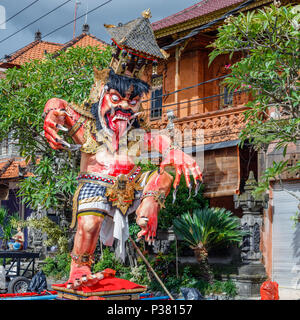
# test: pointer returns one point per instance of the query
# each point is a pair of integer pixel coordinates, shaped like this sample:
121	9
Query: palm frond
208	226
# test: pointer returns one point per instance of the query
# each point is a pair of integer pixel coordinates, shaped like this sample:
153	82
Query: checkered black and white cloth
90	190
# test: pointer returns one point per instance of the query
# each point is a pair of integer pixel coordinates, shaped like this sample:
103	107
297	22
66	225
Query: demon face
119	104
117	113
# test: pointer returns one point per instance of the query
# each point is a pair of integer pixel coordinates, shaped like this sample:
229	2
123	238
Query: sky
113	12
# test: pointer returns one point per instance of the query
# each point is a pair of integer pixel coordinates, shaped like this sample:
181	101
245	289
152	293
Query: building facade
210	119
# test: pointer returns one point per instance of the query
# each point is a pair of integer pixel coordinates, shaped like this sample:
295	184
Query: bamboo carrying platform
125	290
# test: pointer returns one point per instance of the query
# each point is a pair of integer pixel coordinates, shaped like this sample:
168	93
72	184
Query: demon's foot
82	276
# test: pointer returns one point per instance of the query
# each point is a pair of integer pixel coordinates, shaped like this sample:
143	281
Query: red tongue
121	128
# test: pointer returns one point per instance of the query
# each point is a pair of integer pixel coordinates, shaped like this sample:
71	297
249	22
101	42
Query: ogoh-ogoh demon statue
111	186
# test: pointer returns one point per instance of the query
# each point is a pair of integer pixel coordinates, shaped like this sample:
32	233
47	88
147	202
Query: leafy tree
268	42
23	94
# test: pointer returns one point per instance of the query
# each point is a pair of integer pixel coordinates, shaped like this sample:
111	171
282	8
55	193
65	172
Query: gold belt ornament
121	194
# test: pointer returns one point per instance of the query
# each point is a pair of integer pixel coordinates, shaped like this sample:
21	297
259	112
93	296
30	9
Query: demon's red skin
59	112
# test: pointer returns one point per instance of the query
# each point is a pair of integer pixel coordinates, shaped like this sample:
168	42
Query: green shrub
230	288
139	275
134	229
108	260
7	226
57	266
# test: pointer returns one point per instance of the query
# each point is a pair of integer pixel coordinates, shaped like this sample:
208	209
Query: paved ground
51	281
289	294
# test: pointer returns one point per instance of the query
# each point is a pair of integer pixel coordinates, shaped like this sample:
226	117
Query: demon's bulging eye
114	98
133	102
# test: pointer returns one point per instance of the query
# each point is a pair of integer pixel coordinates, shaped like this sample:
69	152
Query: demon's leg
88	228
154	194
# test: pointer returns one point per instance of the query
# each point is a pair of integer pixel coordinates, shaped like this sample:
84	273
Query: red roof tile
84	40
11	168
199	9
34	50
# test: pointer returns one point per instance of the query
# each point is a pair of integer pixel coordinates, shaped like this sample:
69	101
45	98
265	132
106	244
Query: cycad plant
206	228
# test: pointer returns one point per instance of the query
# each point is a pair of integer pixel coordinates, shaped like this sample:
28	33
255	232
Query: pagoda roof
136	35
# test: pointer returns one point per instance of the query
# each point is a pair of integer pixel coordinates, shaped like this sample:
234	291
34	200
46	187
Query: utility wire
66	24
186	88
31	4
48	34
31	23
195	31
196	100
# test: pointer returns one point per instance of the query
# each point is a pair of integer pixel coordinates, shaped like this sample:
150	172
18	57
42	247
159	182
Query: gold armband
159	196
167	151
78	124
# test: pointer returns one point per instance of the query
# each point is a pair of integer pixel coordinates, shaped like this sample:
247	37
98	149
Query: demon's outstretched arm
173	156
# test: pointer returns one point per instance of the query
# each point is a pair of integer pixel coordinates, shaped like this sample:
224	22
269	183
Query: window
156	97
226	98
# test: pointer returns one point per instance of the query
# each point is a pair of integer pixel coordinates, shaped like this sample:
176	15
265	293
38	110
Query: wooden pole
151	269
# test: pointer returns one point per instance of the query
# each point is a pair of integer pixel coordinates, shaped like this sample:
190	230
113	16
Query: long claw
174	194
62	128
67	113
138	240
190	191
74	147
71	147
197	188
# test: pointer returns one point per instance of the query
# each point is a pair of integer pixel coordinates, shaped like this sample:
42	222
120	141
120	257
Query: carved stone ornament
251	220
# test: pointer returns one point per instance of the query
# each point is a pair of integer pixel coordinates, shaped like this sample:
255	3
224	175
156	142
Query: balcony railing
218	126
